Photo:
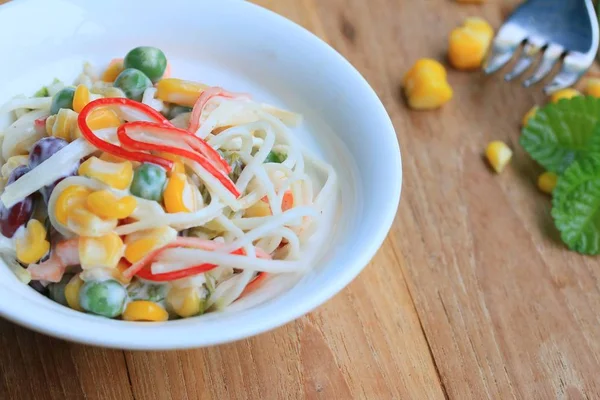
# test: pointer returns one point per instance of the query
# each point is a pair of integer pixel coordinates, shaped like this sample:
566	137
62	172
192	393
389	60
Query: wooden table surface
472	295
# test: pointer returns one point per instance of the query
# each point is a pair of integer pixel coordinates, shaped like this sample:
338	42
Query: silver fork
552	28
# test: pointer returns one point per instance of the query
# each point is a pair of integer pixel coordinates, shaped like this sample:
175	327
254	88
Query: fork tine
528	56
574	66
505	44
497	60
563	79
551	56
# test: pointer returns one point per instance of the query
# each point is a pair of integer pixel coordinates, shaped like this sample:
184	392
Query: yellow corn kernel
178	165
469	43
117	272
116	175
425	85
85	223
139	244
115	67
547	182
143	310
76	133
107	91
423	66
592	87
111	158
33	245
498	154
258	209
71	198
103	118
102	251
81	98
178	91
106	205
116	159
564	94
63	125
49	124
72	292
185	302
12	163
529	115
178	168
179	195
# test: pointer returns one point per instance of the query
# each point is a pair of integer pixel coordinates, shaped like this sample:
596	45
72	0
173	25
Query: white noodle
22	134
36	103
270	225
191	257
47	172
289	118
148	99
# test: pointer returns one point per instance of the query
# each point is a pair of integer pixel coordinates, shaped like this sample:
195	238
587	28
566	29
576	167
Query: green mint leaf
560	133
576	205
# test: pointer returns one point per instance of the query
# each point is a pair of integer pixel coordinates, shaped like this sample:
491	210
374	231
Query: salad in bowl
135	195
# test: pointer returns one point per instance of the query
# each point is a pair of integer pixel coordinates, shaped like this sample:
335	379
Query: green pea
150	60
56	291
138	290
148	182
105	298
62	99
274	157
133	83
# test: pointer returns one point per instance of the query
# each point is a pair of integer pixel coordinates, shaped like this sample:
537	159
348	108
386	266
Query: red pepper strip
204	98
40	122
146	274
201	146
179	242
40	125
147	127
286	203
205	149
193	141
194	243
140	268
115	150
254	284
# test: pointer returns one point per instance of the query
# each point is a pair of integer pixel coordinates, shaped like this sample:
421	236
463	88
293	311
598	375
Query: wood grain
472	295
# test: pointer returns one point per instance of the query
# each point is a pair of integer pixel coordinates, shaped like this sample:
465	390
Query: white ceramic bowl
241	47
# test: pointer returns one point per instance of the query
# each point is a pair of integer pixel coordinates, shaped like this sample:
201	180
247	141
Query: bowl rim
276	317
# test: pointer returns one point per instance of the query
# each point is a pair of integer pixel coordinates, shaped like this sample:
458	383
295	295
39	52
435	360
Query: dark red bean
40	152
12	218
17	173
43	149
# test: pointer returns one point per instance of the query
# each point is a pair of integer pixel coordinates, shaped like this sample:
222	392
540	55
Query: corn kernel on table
472	295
